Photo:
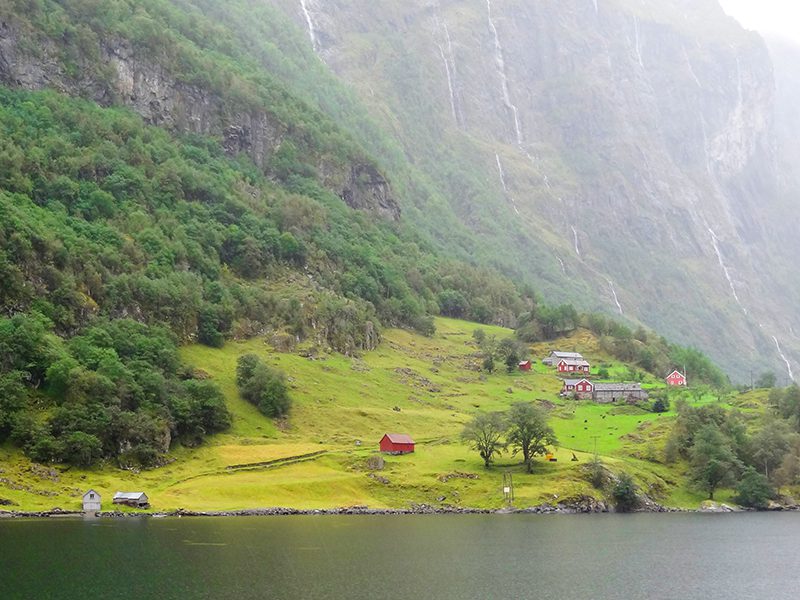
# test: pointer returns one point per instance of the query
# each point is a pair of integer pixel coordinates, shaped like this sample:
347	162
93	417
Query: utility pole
508	488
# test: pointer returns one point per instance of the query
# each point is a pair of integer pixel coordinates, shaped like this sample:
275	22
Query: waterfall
500	62
561	262
614	294
739	89
575	238
638	42
715	243
449	84
449	60
705	146
503	183
691	68
312	32
783	356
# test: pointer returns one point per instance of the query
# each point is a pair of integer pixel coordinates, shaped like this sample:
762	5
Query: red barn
397	443
525	365
676	378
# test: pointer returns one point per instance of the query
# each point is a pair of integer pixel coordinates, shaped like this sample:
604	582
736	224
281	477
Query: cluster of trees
722	452
115	391
508	351
523	427
640	347
125	220
263	386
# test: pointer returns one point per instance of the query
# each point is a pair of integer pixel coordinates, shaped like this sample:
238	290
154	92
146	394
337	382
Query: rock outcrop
117	71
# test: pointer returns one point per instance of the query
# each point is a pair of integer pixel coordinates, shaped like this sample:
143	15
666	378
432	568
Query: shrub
754	491
624	494
263	386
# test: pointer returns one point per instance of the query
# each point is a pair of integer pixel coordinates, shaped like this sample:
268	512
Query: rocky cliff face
632	144
132	76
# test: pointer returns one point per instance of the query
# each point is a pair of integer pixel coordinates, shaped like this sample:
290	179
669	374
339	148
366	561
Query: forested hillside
119	241
175	172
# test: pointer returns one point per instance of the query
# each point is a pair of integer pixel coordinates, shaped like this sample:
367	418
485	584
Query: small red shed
676	378
397	443
525	365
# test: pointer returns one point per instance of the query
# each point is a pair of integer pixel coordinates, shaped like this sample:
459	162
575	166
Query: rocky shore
583	505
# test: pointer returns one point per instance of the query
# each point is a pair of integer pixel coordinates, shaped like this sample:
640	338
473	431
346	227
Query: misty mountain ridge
638	147
628	157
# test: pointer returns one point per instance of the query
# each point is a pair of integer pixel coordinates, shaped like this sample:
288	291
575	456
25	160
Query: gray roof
91	492
129	495
579	362
575	381
617	387
573	355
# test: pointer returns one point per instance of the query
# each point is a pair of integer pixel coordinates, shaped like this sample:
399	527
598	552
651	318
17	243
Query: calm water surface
600	557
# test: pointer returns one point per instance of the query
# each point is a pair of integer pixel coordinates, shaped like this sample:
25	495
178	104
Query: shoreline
416	509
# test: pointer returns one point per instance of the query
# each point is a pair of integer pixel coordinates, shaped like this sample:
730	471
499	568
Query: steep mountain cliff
631	144
617	154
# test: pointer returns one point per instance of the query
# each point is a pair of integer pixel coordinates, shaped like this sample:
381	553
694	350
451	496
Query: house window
91	496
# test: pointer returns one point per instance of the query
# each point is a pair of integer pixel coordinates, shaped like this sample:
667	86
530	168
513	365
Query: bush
597	473
82	449
624	494
660	405
263	386
754	491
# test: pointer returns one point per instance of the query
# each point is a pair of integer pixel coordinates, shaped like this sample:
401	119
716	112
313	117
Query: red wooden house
582	388
569	365
676	378
397	443
525	365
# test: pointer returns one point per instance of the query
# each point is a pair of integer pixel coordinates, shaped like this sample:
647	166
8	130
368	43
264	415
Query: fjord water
653	556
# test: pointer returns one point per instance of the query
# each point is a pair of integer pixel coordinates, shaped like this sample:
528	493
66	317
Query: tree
82	449
768	379
510	351
770	445
596	471
488	364
789	471
661	404
263	386
754	490
713	462
528	431
624	493
484	434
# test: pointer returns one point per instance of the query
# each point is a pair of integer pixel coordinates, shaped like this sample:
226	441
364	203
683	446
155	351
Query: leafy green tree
754	490
484	435
769	445
596	471
625	493
82	449
712	461
263	386
528	431
661	404
13	398
245	367
768	379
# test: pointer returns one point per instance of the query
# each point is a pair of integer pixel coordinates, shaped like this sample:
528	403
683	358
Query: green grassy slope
427	387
